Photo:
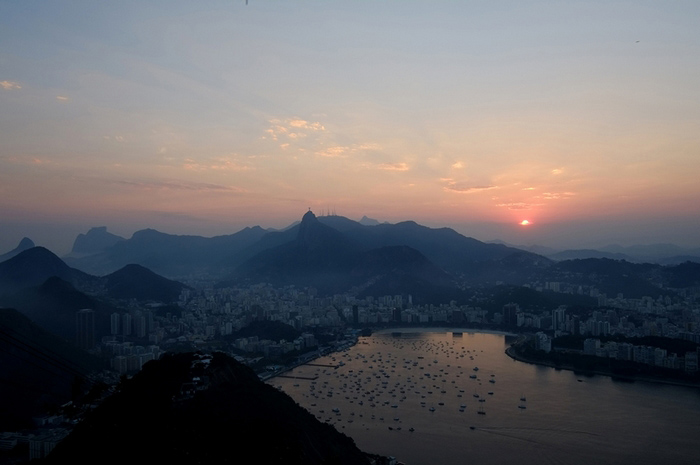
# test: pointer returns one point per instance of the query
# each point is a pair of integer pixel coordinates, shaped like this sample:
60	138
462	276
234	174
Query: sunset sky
560	123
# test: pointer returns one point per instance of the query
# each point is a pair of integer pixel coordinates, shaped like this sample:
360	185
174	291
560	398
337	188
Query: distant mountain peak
366	221
314	234
24	244
308	216
96	240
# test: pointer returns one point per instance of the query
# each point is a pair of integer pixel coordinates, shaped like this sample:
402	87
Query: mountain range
661	254
48	291
333	254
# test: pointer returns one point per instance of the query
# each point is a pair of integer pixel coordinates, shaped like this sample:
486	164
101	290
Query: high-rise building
126	324
114	323
85	328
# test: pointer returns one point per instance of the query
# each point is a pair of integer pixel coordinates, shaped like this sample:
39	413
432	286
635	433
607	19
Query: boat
481	410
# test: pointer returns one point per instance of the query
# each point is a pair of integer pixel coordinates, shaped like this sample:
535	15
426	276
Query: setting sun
525	223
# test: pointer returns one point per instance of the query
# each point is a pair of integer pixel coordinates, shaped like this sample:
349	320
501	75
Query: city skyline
568	124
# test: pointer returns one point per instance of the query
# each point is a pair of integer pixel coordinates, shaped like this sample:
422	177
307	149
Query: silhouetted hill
95	241
229	416
33	267
137	282
37	369
365	221
611	277
318	256
684	275
53	305
333	260
23	245
588	253
451	251
169	255
403	270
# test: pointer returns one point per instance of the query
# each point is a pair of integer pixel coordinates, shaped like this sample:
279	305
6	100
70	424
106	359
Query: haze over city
566	124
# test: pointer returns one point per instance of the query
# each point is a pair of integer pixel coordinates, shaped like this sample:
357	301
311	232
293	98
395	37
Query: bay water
454	397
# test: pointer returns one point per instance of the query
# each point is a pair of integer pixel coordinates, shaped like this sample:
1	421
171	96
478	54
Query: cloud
290	128
10	85
215	164
556	195
464	188
301	124
345	151
557	171
23	160
518	205
178	186
393	166
61	98
334	152
458	165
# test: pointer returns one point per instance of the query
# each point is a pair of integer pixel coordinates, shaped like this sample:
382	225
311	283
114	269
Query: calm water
387	385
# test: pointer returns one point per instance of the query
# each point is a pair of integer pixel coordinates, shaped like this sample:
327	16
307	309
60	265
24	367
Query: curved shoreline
442	329
515	356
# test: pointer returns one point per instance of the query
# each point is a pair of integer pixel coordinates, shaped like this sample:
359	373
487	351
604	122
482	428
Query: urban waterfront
455	397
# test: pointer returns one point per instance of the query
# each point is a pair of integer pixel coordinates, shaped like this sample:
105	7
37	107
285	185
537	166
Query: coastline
429	329
515	356
404	329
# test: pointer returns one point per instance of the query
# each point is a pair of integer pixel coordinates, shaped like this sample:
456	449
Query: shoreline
442	329
510	352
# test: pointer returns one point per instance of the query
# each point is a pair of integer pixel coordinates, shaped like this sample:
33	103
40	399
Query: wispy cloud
300	123
177	186
10	85
466	188
555	195
62	98
334	152
25	160
345	151
517	205
393	166
557	171
215	164
291	128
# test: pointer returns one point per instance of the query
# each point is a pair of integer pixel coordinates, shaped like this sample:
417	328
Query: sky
579	117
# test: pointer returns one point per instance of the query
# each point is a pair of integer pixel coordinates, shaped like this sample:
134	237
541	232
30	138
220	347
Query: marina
404	395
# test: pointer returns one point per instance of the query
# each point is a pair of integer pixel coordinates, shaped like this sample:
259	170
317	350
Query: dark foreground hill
225	415
37	370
